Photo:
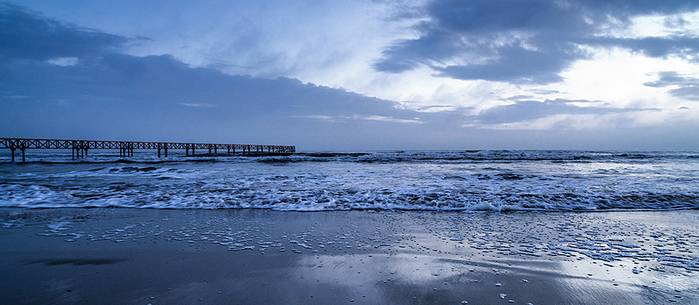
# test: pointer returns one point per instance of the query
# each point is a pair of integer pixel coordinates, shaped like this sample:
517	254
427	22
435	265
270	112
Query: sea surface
406	180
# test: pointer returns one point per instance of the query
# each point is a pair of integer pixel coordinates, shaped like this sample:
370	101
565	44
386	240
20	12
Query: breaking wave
430	181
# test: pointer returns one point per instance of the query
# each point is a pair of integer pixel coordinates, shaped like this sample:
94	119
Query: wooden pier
80	148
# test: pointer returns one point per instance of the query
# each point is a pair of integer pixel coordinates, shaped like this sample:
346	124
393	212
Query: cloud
197	105
63	61
106	93
688	92
529	110
373	117
670	78
28	35
682	46
685	87
526	41
125	96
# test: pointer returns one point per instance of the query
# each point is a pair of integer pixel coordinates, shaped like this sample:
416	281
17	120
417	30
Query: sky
355	75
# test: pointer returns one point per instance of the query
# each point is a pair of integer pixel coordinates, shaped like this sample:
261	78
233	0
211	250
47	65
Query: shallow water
470	180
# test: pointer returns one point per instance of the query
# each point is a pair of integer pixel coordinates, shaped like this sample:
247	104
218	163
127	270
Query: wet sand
132	256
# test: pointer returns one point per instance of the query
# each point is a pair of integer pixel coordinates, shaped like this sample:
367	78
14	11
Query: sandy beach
137	256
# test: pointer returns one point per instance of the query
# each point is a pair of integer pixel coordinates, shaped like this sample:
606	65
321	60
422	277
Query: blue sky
355	75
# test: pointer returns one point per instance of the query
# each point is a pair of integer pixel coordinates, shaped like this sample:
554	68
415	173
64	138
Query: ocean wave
134	196
431	181
483	156
467	156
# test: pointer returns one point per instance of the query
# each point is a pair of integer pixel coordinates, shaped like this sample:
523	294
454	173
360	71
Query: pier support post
22	150
12	153
186	150
158	150
165	150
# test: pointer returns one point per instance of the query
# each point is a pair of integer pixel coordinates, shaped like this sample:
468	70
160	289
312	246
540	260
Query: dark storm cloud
24	34
531	110
525	41
123	96
106	93
687	87
683	46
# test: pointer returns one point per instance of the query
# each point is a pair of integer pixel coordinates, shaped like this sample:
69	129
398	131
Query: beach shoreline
151	256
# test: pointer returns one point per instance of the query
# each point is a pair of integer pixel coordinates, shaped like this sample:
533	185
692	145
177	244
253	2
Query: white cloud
566	122
659	26
63	61
197	105
343	118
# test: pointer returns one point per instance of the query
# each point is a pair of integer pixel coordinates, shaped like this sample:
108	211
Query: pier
81	148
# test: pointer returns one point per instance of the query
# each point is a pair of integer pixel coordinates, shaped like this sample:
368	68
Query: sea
478	180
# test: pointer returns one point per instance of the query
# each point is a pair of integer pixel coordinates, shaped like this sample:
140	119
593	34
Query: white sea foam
435	181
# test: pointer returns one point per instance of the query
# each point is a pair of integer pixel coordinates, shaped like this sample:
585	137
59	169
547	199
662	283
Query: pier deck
80	148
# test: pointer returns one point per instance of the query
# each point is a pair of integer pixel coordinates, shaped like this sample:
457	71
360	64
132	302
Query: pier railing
80	148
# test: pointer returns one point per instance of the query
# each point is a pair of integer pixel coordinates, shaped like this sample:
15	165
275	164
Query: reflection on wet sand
122	256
